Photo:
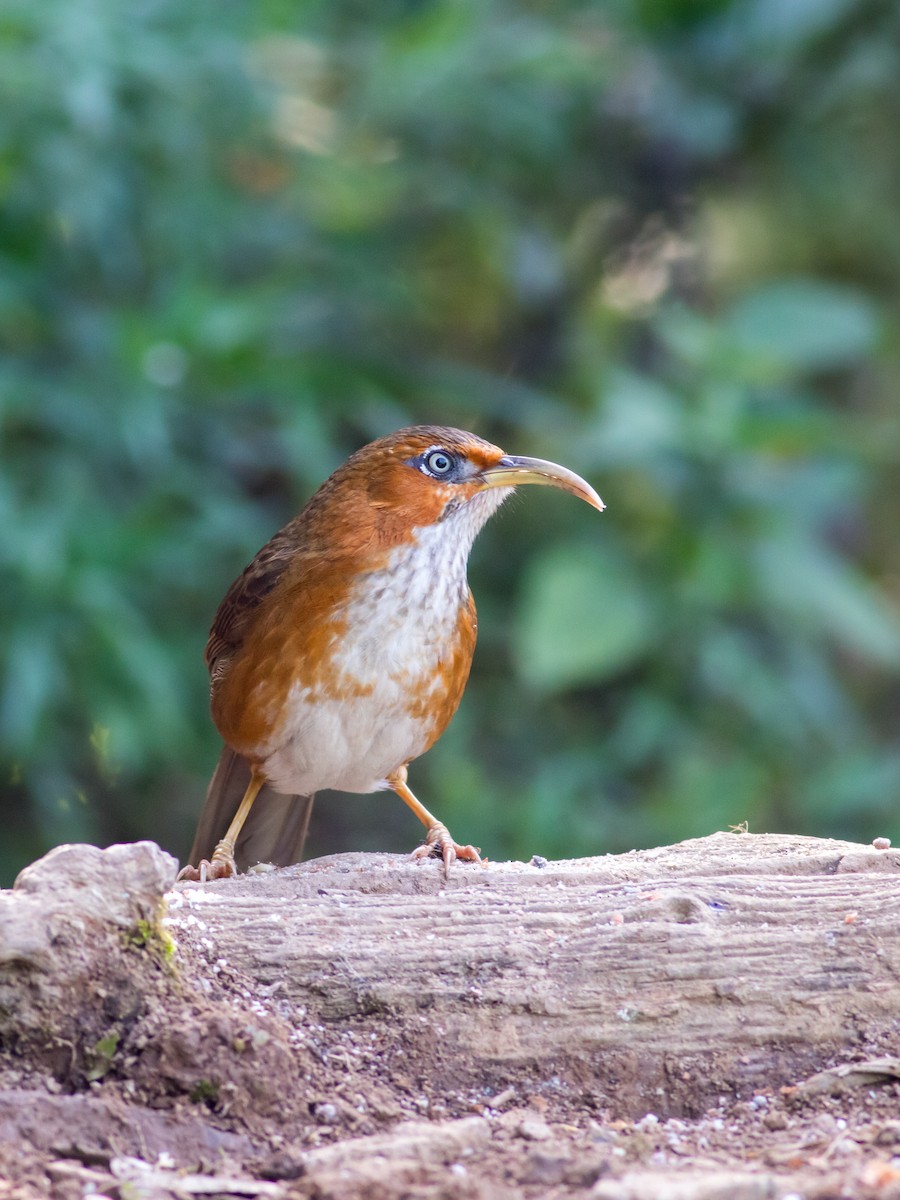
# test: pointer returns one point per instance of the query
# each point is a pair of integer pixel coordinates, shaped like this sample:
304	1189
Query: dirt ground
171	1072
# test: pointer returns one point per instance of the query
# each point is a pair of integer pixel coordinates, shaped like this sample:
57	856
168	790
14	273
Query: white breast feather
398	620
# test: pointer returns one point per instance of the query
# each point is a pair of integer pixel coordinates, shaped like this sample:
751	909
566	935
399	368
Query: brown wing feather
275	830
245	595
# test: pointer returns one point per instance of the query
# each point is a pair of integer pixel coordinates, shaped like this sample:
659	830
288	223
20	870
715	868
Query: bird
342	651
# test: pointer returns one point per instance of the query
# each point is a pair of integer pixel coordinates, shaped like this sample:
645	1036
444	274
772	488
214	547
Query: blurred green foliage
655	240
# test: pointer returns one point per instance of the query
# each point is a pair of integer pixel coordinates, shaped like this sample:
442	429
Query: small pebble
889	1134
502	1099
533	1129
881	843
326	1114
546	1169
538	860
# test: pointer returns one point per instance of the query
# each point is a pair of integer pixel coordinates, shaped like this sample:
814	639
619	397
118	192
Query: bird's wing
244	596
275	830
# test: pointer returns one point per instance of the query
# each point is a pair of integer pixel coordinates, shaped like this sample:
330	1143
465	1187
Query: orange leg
222	864
438	842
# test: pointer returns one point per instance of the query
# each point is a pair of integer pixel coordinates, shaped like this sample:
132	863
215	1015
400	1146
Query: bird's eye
438	462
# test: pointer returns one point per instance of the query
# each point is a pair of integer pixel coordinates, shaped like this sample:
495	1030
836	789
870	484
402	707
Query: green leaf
640	418
583	617
826	594
804	324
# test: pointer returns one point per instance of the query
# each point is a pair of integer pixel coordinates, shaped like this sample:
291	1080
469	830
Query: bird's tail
275	829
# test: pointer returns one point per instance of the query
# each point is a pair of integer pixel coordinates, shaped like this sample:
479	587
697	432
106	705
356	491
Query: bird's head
436	472
418	478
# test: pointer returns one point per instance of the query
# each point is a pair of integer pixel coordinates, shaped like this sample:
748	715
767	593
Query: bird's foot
439	844
220	866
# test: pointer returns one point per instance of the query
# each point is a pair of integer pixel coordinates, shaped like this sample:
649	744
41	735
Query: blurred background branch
656	240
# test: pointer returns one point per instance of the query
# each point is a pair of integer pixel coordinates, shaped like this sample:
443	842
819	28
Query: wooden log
659	978
335	1026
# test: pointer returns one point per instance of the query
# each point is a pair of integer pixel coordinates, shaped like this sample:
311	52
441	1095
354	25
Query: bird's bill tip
513	470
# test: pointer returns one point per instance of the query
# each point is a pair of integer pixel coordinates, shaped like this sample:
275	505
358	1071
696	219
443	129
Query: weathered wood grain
727	955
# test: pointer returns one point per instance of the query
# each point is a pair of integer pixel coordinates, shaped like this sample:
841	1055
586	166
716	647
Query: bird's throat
406	611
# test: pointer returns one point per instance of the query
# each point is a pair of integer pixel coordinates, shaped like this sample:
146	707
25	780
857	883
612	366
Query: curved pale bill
511	471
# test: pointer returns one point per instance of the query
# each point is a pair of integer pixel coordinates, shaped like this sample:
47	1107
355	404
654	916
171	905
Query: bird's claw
439	844
206	869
